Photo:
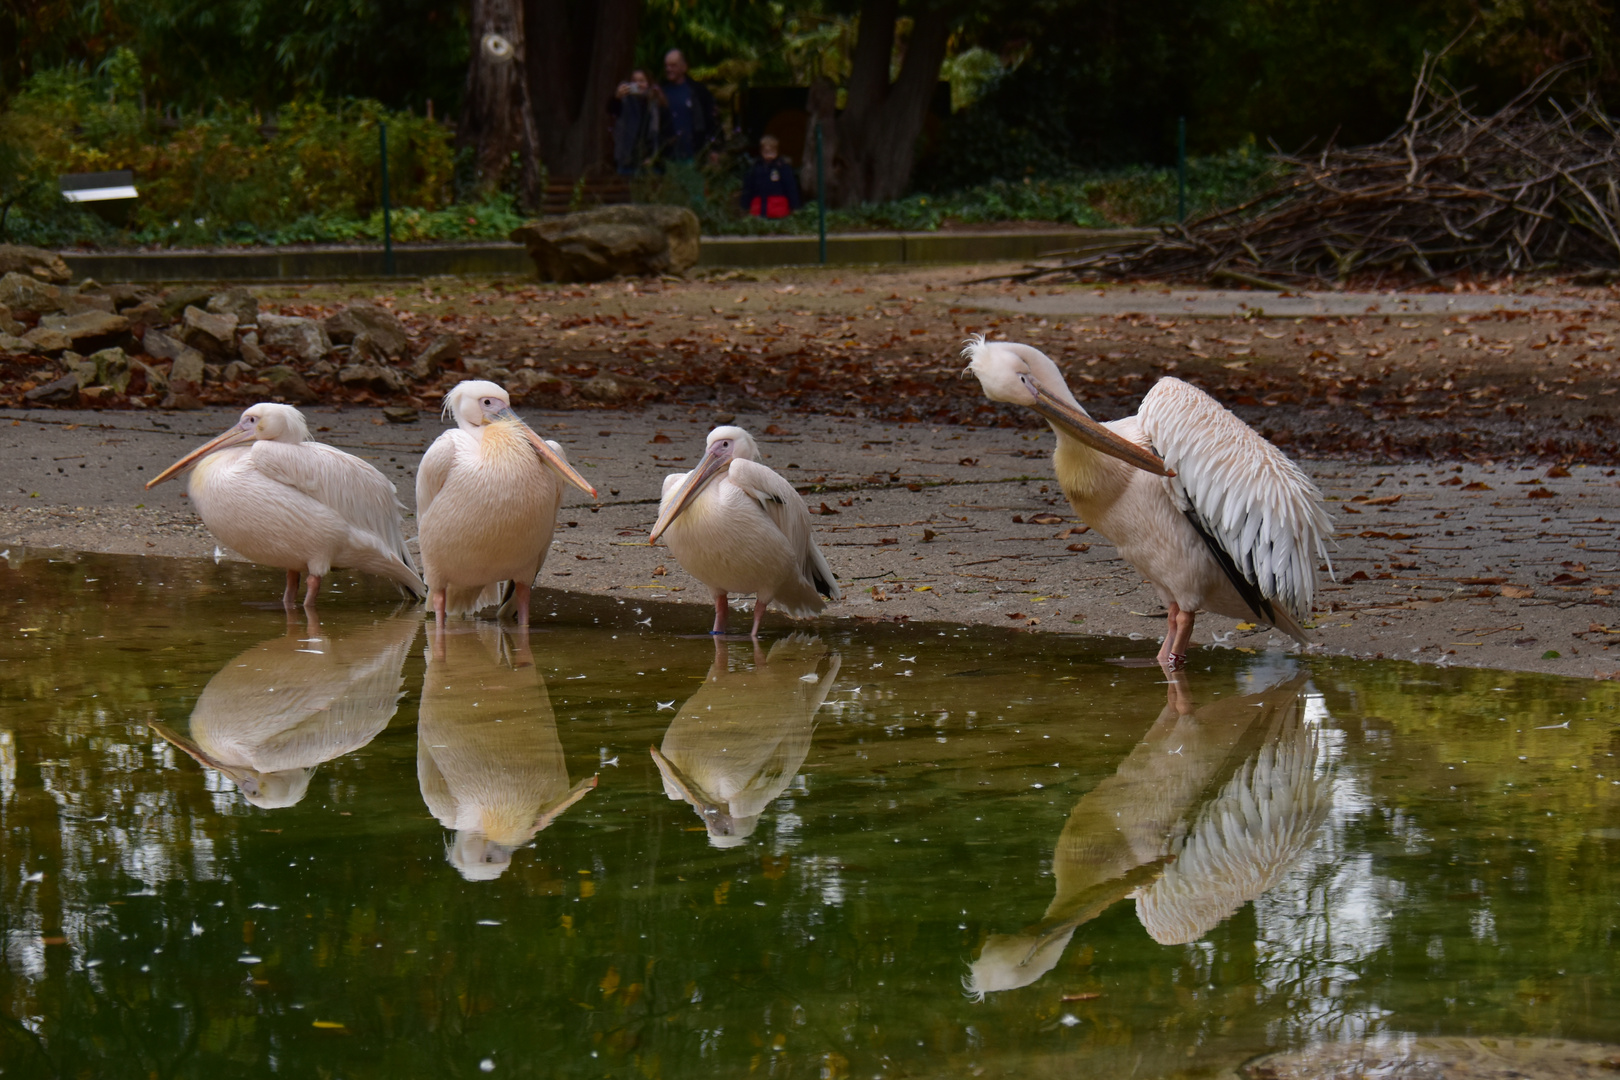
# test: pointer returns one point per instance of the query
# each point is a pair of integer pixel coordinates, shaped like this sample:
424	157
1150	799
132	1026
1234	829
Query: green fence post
821	194
1181	168
388	227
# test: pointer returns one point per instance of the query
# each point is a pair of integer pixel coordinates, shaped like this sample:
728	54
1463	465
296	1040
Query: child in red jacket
770	189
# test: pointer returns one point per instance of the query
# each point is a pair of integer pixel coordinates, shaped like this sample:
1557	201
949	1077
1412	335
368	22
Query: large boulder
371	329
27	296
302	337
36	262
211	334
236	301
615	240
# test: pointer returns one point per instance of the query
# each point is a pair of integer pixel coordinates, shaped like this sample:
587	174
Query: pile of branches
1533	187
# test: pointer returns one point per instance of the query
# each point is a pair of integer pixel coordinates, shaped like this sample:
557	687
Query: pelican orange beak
236	436
708	809
714	463
1078	425
241	777
547	454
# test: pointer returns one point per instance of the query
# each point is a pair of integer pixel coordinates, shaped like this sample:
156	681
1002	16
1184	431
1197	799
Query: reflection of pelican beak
243	778
715	816
714	462
236	436
554	811
547	454
1078	425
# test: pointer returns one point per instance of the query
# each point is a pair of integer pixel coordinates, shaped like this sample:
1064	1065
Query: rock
616	389
12	345
252	354
375	377
124	295
143	315
236	301
27	297
8	325
287	384
38	263
322	369
111	369
88	331
178	299
80	368
63	391
164	347
236	371
182	400
599	244
527	383
442	350
156	381
46	340
401	414
479	367
93	393
210	334
73	303
302	337
387	334
212	373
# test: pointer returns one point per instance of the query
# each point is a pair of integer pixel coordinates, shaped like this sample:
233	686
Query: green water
396	865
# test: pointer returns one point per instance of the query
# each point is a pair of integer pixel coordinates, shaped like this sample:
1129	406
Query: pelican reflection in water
738	742
280	709
488	759
1208	812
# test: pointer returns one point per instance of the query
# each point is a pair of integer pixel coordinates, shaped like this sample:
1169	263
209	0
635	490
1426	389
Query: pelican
1210	810
486	502
286	705
739	741
736	526
270	494
1212	515
488	759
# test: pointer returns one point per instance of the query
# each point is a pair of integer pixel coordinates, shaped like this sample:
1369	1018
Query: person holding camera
642	127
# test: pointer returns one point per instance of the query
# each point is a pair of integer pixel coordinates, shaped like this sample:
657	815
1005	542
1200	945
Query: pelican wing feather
786	509
435	469
1257	506
348	485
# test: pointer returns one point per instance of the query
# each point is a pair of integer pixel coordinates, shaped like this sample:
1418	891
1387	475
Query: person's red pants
775	206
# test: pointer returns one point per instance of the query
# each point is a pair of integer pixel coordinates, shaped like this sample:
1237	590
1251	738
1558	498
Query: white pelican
276	498
286	705
486	502
1211	514
1208	812
738	527
739	741
488	759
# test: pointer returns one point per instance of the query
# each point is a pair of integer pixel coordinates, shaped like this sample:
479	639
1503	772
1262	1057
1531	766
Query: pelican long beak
202	757
714	463
1079	426
554	811
236	436
547	454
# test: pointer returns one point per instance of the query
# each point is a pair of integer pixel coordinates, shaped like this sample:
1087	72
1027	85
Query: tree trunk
877	134
579	52
497	120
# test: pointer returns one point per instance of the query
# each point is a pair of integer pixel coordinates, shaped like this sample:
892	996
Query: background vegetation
255	121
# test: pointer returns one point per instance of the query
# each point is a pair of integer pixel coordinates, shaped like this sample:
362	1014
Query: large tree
497	118
883	119
578	53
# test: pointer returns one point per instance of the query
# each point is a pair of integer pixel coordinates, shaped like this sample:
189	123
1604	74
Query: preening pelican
1211	514
486	502
274	497
736	526
488	758
738	742
1210	810
286	705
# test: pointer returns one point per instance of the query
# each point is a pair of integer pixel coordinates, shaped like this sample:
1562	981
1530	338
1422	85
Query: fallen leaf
1517	592
660	439
1477	485
825	509
1569	579
1046	519
1079	547
1538	493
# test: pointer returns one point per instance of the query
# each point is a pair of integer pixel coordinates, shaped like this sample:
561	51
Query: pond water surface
238	844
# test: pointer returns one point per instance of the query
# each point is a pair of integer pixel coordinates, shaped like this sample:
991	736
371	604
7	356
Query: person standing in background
695	119
641	124
770	189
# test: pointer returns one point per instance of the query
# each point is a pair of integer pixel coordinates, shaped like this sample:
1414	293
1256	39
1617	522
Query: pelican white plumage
1211	514
269	493
488	758
487	495
284	706
738	527
739	741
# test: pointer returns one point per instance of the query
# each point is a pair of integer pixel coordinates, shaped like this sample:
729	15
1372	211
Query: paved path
1482	565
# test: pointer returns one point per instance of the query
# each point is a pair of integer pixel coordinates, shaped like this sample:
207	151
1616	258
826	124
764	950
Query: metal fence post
1181	168
388	227
821	194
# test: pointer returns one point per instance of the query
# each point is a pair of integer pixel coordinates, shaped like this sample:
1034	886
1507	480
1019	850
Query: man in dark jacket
692	111
770	189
